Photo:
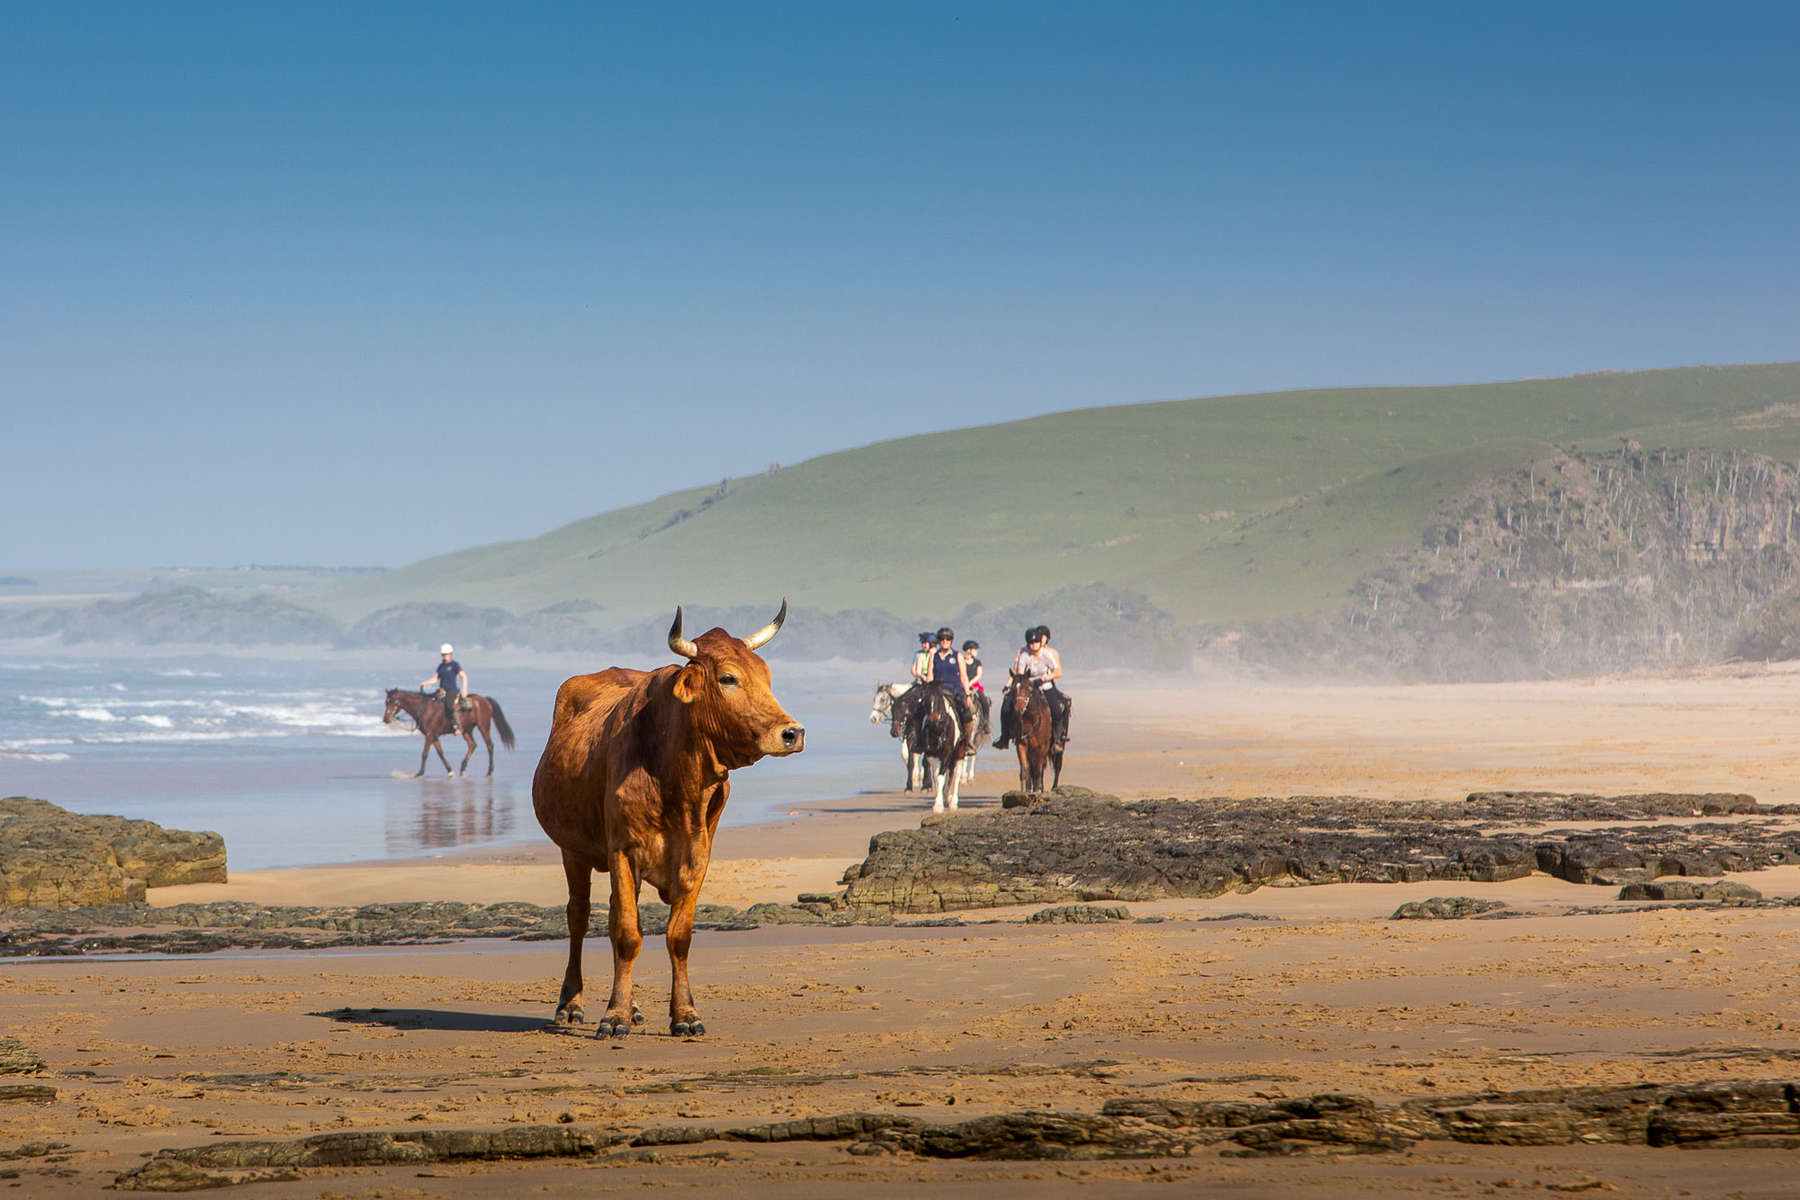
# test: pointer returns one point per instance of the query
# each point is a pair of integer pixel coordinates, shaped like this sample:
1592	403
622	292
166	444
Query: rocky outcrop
1079	846
1575	563
16	1058
199	1167
1683	889
1447	908
1733	1113
53	858
1079	914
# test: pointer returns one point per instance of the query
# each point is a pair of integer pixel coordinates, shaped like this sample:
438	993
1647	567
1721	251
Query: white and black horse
893	704
934	732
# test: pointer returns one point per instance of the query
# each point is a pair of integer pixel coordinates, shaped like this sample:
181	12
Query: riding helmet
446	648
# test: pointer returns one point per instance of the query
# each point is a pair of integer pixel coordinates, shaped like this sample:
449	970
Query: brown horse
427	713
1031	721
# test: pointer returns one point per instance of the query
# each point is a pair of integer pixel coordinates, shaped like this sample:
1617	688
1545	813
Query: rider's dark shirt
944	672
447	673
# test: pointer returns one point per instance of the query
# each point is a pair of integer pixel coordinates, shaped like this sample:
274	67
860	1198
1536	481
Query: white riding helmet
446	648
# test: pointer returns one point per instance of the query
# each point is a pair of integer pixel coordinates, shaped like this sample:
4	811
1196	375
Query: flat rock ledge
1736	1113
16	1058
1447	908
1075	845
53	858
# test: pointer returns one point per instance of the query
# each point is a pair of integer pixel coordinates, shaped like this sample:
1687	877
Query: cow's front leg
581	887
684	1021
627	940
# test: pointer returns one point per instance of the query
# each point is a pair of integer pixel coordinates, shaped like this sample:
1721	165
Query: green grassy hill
1231	508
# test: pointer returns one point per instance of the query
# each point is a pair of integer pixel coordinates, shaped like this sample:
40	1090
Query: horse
934	732
979	700
427	713
1031	737
886	709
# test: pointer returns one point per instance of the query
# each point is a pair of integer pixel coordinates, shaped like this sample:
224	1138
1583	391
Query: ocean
286	755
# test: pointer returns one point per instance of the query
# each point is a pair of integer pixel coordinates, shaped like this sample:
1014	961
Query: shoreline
1257	998
1721	730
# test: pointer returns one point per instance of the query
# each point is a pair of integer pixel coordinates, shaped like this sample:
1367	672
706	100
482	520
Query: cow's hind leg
627	940
581	887
684	1021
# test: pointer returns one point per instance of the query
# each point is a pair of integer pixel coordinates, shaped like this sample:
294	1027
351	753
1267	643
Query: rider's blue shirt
447	673
944	673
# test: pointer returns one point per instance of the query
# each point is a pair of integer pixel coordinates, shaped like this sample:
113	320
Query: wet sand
1322	994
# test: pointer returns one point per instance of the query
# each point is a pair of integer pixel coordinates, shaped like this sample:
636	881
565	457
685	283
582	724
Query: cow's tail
506	733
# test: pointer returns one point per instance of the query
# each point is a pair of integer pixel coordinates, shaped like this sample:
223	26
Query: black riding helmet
1044	632
971	644
946	632
924	639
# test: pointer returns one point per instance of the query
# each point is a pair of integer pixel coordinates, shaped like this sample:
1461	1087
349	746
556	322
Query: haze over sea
286	756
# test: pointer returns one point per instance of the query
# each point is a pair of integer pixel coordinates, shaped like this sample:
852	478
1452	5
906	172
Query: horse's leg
581	887
1056	765
424	754
441	756
489	739
937	805
469	737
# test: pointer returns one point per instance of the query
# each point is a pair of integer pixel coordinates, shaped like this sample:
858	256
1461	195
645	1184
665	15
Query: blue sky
272	274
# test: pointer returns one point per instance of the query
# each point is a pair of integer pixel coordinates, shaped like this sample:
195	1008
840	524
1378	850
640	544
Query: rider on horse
972	666
951	675
453	686
1043	664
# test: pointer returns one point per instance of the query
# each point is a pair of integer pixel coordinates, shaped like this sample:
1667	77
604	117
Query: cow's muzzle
789	739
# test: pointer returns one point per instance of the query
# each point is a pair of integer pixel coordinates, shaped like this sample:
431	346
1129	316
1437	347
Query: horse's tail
506	733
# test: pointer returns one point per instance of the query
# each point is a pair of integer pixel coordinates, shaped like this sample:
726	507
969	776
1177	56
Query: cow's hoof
612	1026
637	1015
570	1016
686	1027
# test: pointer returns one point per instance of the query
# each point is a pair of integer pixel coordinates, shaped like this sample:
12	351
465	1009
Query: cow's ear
687	683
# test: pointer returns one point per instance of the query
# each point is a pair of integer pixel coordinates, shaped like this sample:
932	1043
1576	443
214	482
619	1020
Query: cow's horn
679	644
761	637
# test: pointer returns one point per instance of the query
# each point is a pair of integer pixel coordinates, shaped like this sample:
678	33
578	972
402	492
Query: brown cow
633	782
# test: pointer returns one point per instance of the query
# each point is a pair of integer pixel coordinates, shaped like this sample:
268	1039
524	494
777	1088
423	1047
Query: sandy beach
1280	992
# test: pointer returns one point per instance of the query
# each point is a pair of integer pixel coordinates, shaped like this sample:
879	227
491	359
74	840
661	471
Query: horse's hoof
611	1026
686	1027
570	1016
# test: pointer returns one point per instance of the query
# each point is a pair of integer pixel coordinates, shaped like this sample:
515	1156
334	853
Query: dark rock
26	1093
1034	1135
1682	889
1728	1114
676	1135
170	1175
374	1149
53	858
783	914
18	1059
1446	908
839	1128
195	928
1079	846
1079	914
